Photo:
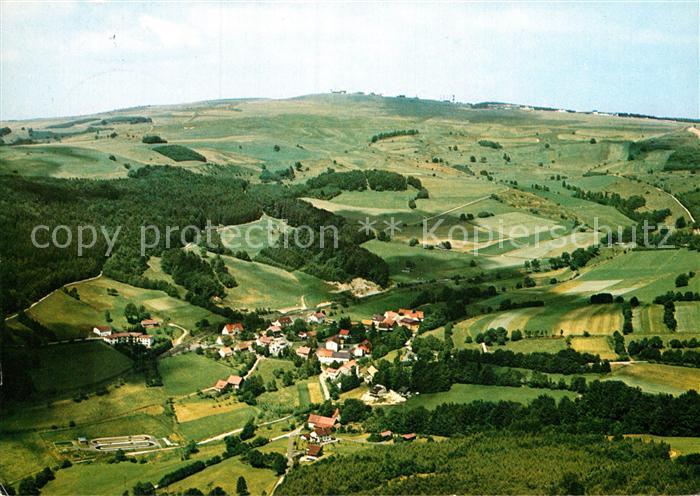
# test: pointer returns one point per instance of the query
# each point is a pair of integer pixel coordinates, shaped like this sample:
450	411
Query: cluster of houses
410	319
337	349
321	432
110	337
270	339
233	382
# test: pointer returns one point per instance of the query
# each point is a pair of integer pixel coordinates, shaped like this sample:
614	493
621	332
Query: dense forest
113	216
536	464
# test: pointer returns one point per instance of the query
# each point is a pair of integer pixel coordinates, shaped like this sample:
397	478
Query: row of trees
605	407
393	134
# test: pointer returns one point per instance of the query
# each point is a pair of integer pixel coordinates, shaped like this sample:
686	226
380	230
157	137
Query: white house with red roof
361	350
316	318
332	344
232	329
235	381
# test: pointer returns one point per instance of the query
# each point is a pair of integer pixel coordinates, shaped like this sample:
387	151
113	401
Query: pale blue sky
73	58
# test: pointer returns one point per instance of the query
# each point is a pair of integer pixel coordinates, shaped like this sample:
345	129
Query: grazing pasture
467	393
189	372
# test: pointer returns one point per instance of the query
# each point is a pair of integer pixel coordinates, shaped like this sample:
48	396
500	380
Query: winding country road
184	334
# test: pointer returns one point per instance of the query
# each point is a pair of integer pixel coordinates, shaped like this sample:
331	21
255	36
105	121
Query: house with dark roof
314	451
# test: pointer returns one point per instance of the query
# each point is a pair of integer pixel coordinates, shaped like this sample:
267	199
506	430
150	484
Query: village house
344	334
393	316
409	437
150	323
411	314
314	451
283	322
369	373
221	386
274	345
386	325
243	346
145	340
303	352
235	381
102	331
225	352
362	349
347	368
411	324
327	357
344	369
332	373
277	346
316	318
273	329
324	422
332	344
386	435
321	435
129	337
232	329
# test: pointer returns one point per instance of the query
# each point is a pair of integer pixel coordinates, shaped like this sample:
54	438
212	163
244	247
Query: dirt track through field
465	205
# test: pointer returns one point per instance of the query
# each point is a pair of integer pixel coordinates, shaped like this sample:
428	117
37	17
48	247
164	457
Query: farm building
314	451
129	337
323	422
316	318
232	329
102	331
150	323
